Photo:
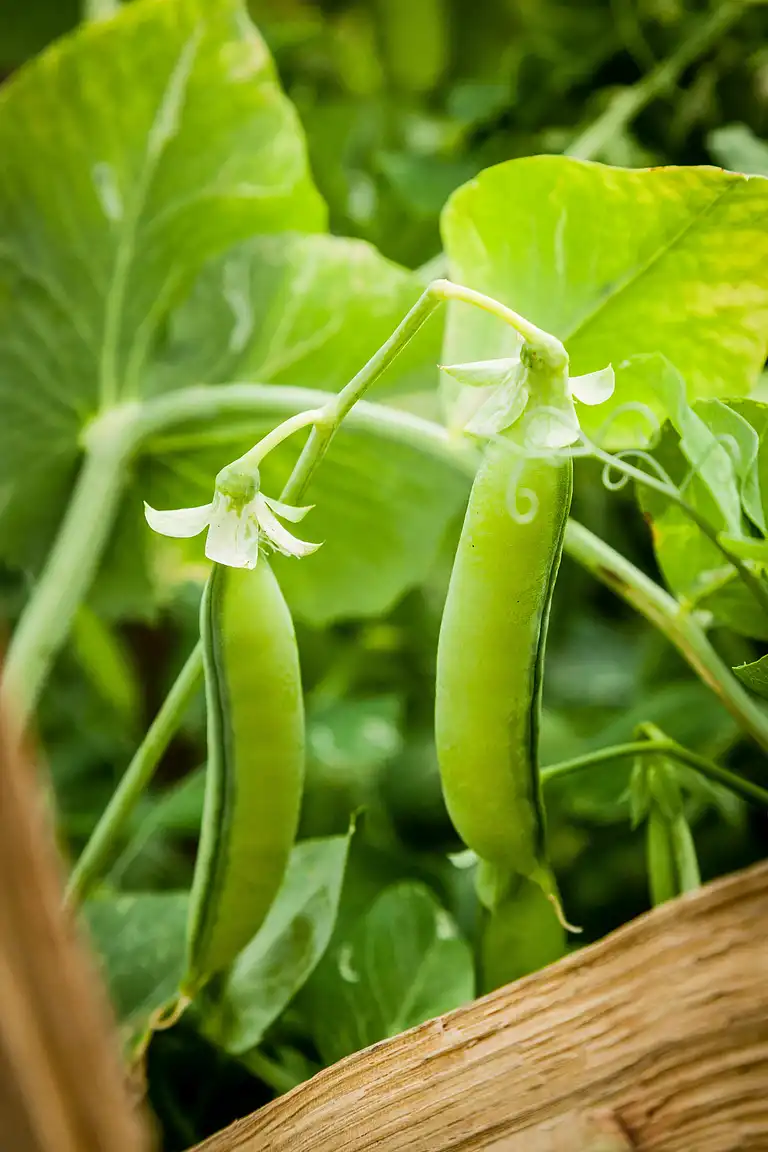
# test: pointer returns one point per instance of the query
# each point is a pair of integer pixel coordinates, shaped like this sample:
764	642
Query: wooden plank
655	1038
62	1085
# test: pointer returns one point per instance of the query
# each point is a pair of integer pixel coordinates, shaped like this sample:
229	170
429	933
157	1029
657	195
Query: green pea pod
490	661
662	879
686	860
522	934
673	867
255	764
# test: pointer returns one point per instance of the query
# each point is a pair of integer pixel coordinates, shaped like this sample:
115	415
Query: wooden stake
62	1087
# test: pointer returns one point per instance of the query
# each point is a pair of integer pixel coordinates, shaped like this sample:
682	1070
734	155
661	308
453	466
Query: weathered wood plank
655	1038
62	1085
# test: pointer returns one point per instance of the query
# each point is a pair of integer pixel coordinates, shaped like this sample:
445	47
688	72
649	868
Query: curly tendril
515	493
614	464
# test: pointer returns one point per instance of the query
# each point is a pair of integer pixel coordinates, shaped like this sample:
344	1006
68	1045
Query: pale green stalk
137	776
744	788
70	566
678	625
757	589
626	105
251	459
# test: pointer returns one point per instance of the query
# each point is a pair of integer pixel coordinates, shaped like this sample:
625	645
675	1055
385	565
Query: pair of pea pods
489	676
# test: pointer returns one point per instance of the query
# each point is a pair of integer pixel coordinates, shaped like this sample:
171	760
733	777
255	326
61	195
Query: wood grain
656	1038
62	1086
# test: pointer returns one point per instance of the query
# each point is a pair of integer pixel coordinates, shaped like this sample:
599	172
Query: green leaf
755	414
616	262
285	951
735	146
755	676
141	940
383	508
292	309
741	440
348	742
402	963
132	152
692	566
653	376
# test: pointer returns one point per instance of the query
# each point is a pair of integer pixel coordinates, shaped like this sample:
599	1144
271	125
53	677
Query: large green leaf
382	511
616	262
402	963
132	152
141	940
285	951
298	309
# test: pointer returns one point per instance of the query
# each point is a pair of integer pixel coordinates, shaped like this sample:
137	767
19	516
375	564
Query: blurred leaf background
402	101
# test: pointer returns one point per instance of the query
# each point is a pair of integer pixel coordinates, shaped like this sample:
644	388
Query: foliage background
402	101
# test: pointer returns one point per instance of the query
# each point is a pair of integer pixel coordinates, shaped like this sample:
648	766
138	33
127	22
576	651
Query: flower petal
288	511
595	387
486	373
552	426
500	411
233	539
178	522
279	537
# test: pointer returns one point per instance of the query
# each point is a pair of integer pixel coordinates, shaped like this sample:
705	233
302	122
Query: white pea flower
532	392
239	520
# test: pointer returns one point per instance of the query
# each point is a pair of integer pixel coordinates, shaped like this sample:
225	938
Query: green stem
758	591
279	1079
254	457
70	566
137	776
626	105
664	612
744	788
439	291
205	403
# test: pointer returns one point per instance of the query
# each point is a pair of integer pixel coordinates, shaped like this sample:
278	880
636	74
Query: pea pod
255	764
522	934
673	867
490	662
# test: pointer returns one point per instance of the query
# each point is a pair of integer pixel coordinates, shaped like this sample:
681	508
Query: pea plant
191	365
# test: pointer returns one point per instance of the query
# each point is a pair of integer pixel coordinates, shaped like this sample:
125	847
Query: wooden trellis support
655	1038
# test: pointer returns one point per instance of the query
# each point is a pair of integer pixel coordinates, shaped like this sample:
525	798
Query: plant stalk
137	776
758	591
626	105
678	625
439	291
69	568
737	784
